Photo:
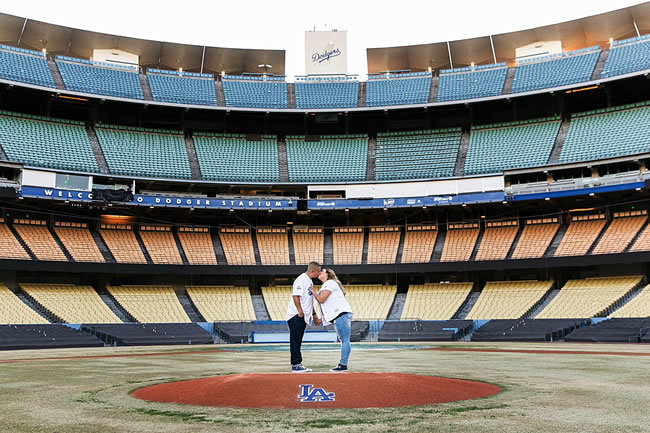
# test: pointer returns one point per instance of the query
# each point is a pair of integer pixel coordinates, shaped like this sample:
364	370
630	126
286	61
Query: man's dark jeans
297	327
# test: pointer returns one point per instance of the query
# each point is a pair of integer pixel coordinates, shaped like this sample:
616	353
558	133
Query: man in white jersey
300	313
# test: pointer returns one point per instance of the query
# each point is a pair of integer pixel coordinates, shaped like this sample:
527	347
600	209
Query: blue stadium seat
99	78
188	88
559	70
398	89
476	83
255	92
327	94
24	66
335	158
624	57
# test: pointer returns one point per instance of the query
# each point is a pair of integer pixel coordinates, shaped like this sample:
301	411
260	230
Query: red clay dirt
286	390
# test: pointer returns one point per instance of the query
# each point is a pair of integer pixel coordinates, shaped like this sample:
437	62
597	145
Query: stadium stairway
42	311
195	168
559	141
361	99
218	87
459	168
218	248
256	248
467	305
371	161
395	312
146	90
97	150
62	247
259	307
507	84
143	248
546	299
292	251
477	245
179	246
433	89
56	74
328	247
283	165
515	241
550	251
600	63
623	299
108	256
22	243
190	309
436	254
636	237
121	314
364	252
291	95
117	308
400	246
599	237
3	155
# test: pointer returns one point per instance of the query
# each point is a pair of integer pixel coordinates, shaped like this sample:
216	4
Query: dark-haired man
300	313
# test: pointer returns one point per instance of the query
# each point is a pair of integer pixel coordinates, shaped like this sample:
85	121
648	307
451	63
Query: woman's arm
322	296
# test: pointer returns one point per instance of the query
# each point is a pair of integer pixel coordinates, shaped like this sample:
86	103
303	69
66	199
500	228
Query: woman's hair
331	275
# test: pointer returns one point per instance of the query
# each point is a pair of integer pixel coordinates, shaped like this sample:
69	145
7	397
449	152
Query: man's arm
296	300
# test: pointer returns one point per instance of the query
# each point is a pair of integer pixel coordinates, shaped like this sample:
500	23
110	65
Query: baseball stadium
484	202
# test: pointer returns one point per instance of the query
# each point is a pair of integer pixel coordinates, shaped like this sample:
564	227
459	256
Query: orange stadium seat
497	240
197	244
535	238
460	241
419	241
581	234
10	248
383	243
348	245
160	244
39	239
121	240
621	231
237	245
78	241
308	244
273	244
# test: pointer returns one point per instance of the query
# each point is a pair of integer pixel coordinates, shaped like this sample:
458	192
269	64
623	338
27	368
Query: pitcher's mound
316	390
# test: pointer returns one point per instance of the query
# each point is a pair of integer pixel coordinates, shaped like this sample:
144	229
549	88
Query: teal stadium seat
24	66
627	56
188	88
142	152
335	158
467	83
398	89
255	92
232	158
81	75
46	142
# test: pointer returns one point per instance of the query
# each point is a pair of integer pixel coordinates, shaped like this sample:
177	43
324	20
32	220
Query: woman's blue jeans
343	326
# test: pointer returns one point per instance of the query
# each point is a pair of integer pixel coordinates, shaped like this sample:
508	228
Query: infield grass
541	392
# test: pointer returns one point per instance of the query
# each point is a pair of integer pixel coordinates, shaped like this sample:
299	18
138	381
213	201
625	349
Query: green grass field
541	392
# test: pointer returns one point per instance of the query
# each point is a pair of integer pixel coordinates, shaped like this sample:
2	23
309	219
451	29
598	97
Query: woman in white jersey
335	309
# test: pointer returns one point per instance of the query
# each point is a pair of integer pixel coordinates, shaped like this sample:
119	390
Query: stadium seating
46	142
308	244
383	243
197	244
182	88
624	57
606	133
639	306
419	241
434	301
527	329
140	334
334	158
581	234
273	245
255	92
144	152
71	303
416	154
569	68
588	298
39	239
78	241
241	332
497	240
44	336
494	148
620	232
460	241
237	245
623	330
479	82
326	92
348	245
124	246
150	304
535	238
223	303
232	157
369	301
643	241
14	311
448	330
398	89
24	66
10	248
508	299
277	299
99	78
160	244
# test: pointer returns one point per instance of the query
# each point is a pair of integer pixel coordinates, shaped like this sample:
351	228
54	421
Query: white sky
281	24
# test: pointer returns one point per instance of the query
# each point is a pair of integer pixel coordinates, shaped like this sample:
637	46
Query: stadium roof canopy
576	34
60	40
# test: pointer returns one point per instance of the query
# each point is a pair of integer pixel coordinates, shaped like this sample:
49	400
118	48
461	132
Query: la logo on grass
310	394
